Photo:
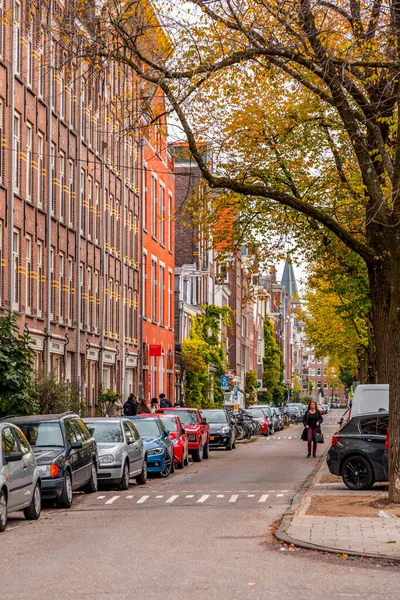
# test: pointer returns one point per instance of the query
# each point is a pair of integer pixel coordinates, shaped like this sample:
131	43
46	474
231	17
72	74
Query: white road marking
234	497
290	438
243	491
111	500
142	499
271	491
250	495
284	491
220	496
159	496
129	497
100	497
279	495
190	496
203	498
279	438
172	499
263	498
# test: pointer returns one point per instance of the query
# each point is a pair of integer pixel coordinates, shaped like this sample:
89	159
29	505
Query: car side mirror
204	421
166	433
13	457
76	445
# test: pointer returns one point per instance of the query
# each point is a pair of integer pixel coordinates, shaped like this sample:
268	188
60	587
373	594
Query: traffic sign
235	393
224	382
259	383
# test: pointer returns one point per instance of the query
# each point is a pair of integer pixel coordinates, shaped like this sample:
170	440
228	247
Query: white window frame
16	264
70	315
154	206
39	289
17	39
97	301
40	170
28	274
17	152
62	186
29	56
89	312
161	286
52	299
1	129
28	163
1	259
71	193
153	288
82	200
61	286
97	213
162	211
90	207
169	222
53	200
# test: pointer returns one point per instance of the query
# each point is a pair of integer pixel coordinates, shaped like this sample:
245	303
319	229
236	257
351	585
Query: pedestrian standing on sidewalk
130	407
164	402
154	404
312	420
143	408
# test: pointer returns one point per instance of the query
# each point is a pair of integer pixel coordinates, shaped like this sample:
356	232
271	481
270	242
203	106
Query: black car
358	452
222	430
66	454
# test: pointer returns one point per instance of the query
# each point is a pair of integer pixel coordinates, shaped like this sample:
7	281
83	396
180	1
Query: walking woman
312	420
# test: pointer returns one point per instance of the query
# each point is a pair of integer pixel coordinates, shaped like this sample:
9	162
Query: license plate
211	438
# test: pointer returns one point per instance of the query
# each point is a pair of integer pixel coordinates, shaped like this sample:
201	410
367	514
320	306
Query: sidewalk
326	516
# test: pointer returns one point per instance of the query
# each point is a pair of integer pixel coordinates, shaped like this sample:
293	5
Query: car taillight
54	470
335	439
387	439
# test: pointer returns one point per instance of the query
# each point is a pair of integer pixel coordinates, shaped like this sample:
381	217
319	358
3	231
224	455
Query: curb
282	536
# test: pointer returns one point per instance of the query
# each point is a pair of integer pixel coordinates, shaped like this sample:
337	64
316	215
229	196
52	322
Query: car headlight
224	429
191	437
106	459
155	451
44	470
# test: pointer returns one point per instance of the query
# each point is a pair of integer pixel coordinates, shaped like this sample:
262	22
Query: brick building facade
72	193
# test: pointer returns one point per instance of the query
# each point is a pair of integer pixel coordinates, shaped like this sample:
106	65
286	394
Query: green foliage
107	400
16	369
203	357
251	387
273	367
51	396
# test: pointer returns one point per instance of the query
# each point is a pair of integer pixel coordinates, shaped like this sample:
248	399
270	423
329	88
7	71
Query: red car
197	430
179	437
261	418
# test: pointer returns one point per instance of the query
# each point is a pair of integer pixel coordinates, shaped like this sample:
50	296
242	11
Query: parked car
321	409
197	429
157	443
179	438
121	451
222	430
279	417
19	476
358	452
261	418
272	417
66	454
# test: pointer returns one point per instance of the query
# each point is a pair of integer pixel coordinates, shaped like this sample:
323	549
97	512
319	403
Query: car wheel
65	500
3	510
92	485
172	463
124	485
357	473
234	444
272	431
142	478
197	455
206	452
32	513
167	466
180	465
230	445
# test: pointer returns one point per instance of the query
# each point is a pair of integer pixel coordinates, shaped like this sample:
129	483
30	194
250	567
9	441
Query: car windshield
147	427
188	417
214	416
105	432
170	423
43	434
256	412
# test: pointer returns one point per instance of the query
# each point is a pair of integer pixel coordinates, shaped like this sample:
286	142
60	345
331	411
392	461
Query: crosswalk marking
203	498
234	497
263	498
100	497
220	496
142	499
190	496
172	499
279	495
159	496
129	497
113	499
250	495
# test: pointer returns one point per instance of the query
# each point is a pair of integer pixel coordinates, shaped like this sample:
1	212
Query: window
71	291
319	372
153	290
16	287
52	286
383	424
116	303
1	118
112	214
29	55
61	108
82	201
81	288
23	443
144	198
368	426
117	223
311	372
170	301
89	299
62	186
71	96
97	301
1	262
144	284
53	75
17	151
28	158
153	206
17	38
71	194
82	111
90	207
169	222
111	311
39	279
2	7
325	386
325	371
162	215
9	441
28	275
53	200
41	64
61	287
97	214
161	305
40	171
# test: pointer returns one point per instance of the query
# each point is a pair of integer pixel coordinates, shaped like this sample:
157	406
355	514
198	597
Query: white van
370	398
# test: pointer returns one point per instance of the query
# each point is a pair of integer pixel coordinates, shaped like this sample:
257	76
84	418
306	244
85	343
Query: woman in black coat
312	420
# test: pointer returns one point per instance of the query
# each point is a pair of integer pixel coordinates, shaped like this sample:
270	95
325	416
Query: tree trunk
384	278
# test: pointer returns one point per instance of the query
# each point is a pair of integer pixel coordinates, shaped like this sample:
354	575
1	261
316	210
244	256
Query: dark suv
358	451
66	454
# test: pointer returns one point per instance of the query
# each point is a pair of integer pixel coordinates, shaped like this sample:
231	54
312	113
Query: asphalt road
205	533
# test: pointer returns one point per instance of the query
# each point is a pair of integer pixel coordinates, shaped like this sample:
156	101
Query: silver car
121	452
19	476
